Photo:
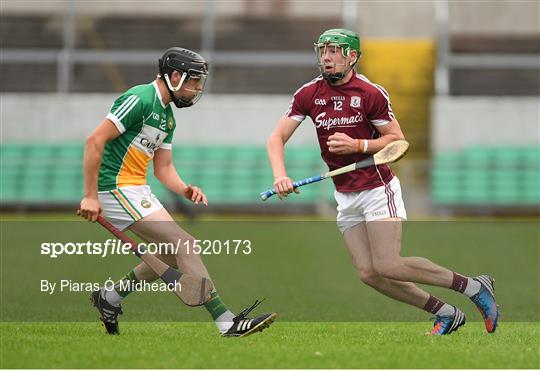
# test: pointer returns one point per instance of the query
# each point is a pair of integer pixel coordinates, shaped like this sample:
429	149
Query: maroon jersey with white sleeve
356	109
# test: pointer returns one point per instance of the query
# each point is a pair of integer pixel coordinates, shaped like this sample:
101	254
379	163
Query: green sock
215	306
128	284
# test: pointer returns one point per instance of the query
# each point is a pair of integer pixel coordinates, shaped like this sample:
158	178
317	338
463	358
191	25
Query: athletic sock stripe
122	205
133	104
127	199
124	105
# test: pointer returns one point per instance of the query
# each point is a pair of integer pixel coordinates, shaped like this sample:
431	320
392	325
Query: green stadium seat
10	153
485	176
10	182
477	158
447	160
215	153
52	173
186	152
476	182
249	154
532	157
40	152
70	154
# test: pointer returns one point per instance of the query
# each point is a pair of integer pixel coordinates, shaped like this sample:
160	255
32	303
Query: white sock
446	310
225	321
113	297
472	287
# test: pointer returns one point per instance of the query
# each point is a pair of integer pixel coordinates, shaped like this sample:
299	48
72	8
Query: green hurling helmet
346	40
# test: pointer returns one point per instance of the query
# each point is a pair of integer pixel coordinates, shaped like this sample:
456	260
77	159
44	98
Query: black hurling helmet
190	64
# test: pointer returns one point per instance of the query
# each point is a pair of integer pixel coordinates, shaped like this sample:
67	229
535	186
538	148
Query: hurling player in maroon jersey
353	118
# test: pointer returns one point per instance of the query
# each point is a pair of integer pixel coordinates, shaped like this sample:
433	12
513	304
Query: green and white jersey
146	125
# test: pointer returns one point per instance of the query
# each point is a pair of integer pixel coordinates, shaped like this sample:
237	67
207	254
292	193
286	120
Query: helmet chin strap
174	88
335	77
178	102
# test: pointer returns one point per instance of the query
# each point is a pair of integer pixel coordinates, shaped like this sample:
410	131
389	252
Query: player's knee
189	248
168	258
386	268
190	253
369	276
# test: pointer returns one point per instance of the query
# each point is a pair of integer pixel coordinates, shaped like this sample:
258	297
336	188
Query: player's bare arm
93	152
166	173
276	153
342	144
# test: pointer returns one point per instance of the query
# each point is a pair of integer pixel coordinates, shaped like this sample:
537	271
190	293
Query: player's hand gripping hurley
193	290
391	153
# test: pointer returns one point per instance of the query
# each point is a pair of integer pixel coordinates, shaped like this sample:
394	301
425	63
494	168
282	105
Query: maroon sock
459	283
433	305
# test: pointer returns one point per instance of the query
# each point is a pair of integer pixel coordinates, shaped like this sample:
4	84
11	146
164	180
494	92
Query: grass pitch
327	318
283	345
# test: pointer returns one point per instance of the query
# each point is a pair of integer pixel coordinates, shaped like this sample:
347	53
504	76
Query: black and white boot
109	313
244	326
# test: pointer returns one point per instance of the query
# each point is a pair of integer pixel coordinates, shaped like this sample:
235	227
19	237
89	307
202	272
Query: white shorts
124	206
370	205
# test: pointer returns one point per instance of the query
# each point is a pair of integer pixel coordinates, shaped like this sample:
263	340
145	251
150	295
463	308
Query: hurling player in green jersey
139	129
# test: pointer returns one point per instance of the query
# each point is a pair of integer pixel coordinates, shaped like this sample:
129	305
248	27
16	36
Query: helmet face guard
186	76
334	41
191	66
